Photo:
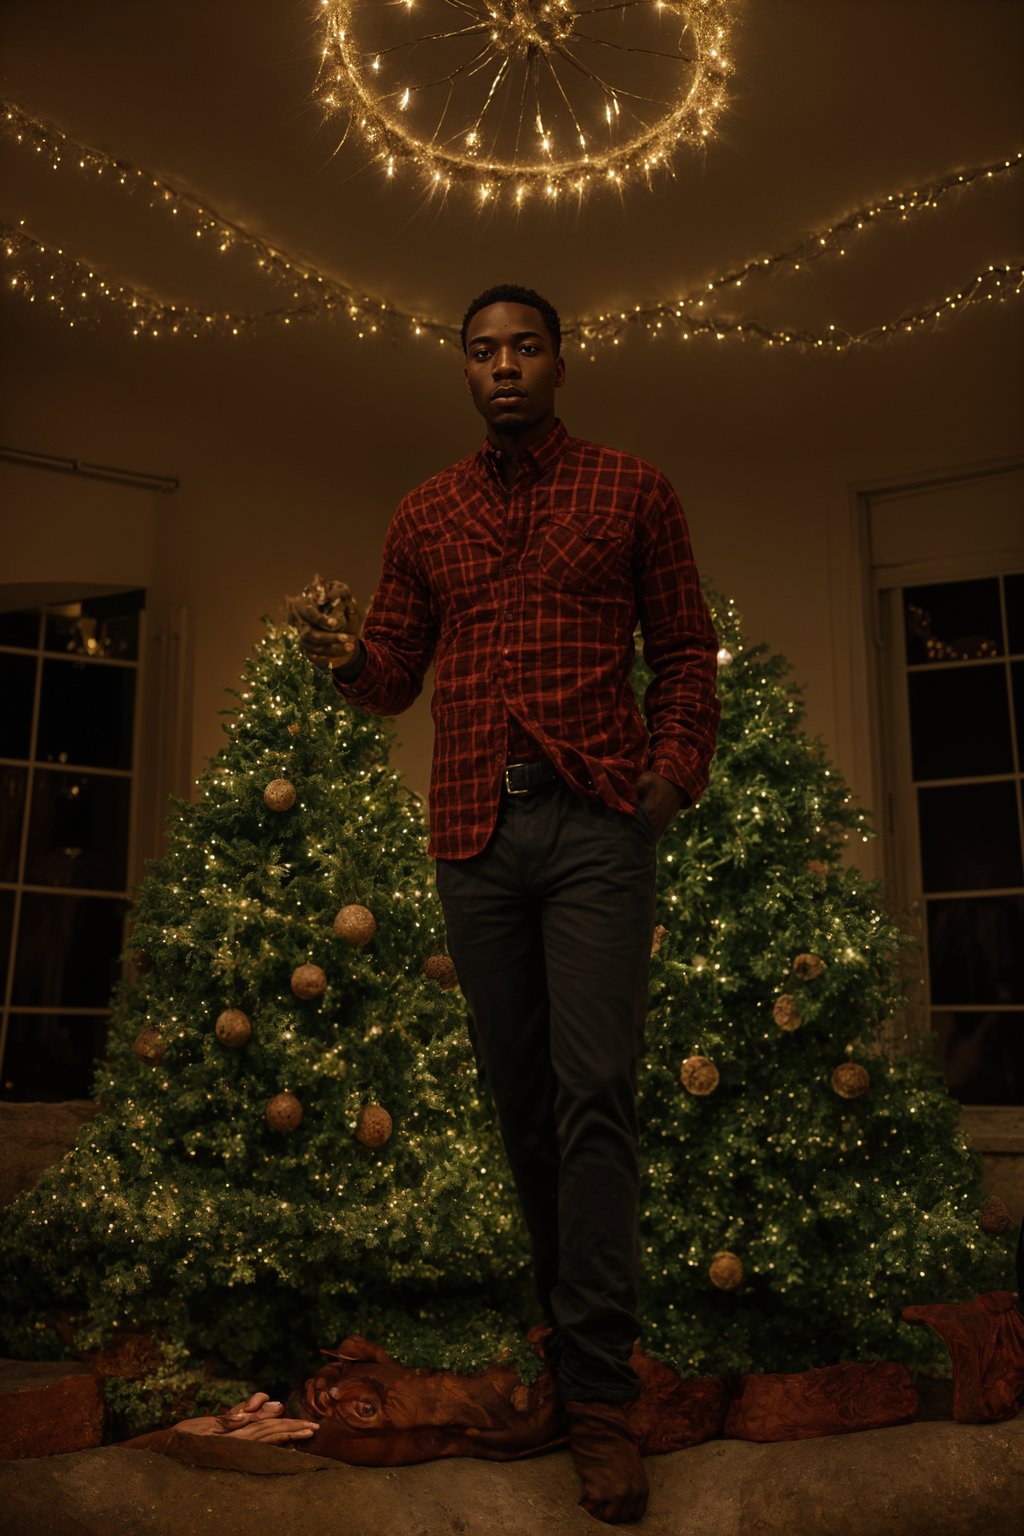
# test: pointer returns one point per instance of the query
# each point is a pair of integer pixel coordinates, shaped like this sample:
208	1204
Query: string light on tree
513	98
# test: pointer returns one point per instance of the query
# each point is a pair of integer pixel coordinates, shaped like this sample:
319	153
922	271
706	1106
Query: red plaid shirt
527	600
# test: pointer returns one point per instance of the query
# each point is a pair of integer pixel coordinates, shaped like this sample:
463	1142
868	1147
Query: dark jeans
550	930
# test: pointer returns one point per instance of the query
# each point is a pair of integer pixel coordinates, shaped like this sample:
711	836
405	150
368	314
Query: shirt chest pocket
589	553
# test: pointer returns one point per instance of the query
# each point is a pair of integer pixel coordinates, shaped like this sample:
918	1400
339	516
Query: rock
48	1409
32	1136
934	1479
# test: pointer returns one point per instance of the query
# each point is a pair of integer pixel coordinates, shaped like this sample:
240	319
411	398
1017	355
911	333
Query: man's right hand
327	618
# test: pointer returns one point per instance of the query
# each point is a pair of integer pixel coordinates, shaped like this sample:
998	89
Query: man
523	571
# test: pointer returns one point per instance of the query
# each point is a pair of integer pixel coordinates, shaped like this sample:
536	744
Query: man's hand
660	799
327	618
257	1419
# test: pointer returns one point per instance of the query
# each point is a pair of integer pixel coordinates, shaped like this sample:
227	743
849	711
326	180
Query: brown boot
604	1449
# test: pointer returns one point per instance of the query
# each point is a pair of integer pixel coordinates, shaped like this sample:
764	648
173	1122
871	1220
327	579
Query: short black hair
515	293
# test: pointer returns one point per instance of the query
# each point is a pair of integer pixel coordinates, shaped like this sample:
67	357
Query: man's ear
559	372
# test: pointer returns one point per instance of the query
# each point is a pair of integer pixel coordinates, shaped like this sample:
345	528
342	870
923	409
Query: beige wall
292	451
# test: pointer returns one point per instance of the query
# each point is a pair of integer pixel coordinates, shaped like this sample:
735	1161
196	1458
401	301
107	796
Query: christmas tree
295	1145
804	1174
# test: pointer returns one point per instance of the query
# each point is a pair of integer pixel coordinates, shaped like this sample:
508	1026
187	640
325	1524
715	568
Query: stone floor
921	1479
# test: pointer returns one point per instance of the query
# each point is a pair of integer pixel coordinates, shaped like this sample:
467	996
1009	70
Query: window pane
78	831
17	688
96	626
21	629
12	807
86	714
957	621
983	1056
68	949
1017	674
970	837
976	950
959	722
51	1057
1014	589
6	920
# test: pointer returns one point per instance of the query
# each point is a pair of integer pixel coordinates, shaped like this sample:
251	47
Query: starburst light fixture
509	98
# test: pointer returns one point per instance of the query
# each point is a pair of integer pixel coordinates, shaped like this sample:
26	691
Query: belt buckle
508	787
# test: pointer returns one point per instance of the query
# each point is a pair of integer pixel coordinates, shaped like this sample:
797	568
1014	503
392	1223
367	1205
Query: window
69	677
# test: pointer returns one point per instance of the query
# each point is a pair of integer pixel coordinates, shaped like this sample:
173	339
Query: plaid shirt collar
536	459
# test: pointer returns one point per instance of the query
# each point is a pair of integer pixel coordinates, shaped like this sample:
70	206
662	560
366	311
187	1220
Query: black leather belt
520	778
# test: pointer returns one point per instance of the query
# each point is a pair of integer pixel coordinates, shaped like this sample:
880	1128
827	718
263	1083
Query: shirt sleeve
399	635
680	646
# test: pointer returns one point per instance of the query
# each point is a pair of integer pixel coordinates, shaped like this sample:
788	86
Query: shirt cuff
685	775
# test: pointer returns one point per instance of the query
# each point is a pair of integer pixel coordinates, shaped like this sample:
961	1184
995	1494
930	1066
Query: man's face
512	371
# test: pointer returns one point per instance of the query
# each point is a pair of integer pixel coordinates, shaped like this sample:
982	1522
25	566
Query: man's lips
508	393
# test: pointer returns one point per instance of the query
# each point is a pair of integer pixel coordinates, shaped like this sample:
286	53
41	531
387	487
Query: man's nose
505	362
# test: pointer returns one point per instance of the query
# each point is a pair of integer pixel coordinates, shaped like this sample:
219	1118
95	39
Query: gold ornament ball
440	968
374	1126
699	1075
232	1027
284	1112
308	981
726	1271
356	925
785	1012
994	1216
851	1080
279	795
808	967
149	1045
656	938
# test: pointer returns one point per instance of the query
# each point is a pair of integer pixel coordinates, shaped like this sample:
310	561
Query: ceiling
832	103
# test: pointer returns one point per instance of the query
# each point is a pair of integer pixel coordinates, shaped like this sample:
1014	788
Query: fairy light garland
80	293
513	98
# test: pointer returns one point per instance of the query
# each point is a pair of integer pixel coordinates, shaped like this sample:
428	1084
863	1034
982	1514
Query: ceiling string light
40	271
80	293
509	98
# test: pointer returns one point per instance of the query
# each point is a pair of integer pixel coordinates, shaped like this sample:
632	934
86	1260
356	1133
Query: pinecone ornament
284	1112
726	1270
233	1027
994	1217
440	968
150	1045
374	1125
785	1012
808	967
850	1080
699	1075
279	795
308	981
356	925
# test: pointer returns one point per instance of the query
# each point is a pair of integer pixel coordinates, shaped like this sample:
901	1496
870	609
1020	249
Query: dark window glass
983	1055
1014	591
957	621
6	924
1017	676
67	951
78	832
12	809
17	688
51	1056
959	722
86	714
976	950
970	837
20	629
96	626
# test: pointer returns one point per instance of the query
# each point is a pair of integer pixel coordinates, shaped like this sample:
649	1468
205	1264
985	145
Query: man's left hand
660	798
